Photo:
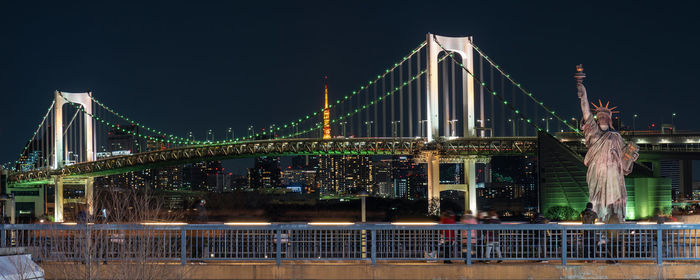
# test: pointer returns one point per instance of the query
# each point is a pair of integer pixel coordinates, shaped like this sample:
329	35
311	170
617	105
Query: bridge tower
462	46
59	160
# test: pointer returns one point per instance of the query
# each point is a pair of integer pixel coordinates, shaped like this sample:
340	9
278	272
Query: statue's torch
579	74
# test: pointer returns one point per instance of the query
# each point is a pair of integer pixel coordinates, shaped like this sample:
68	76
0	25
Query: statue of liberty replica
608	158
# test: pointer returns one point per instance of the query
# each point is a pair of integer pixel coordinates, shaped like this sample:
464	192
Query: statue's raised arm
585	108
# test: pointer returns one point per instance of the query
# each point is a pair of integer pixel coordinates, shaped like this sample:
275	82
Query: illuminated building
408	178
265	173
326	112
345	174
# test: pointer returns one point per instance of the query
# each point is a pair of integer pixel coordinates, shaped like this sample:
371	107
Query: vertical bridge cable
384	119
367	111
445	99
453	93
391	100
410	102
380	98
493	109
482	115
36	131
512	91
81	132
376	108
401	120
505	102
526	93
419	97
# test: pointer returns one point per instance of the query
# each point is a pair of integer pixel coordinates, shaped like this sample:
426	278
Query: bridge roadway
652	144
446	149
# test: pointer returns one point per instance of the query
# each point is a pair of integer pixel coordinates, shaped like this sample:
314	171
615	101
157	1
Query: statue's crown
604	109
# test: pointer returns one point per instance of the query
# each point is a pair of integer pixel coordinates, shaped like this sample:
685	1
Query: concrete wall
417	270
30	195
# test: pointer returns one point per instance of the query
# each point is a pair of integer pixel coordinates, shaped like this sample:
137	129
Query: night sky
192	66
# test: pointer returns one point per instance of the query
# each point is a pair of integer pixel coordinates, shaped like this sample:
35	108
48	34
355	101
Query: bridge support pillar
433	183
58	199
470	180
434	187
90	195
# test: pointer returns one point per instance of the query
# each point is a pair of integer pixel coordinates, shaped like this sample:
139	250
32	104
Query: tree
94	249
561	213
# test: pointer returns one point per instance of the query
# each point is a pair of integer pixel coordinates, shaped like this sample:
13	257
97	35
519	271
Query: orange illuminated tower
326	112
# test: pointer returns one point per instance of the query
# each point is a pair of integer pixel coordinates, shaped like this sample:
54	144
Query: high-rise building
219	182
345	174
299	177
671	169
265	173
408	178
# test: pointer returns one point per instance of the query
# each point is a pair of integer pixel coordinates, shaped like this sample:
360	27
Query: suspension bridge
446	101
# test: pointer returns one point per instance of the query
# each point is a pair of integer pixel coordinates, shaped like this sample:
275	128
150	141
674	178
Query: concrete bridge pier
58	199
433	161
59	181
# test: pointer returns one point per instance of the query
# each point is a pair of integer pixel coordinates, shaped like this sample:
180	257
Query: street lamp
250	131
210	133
453	127
673	116
420	125
363	195
512	125
546	121
634	122
369	128
272	129
343	125
394	128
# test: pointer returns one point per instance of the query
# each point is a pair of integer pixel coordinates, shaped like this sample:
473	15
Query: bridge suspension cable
528	94
349	97
382	98
501	97
152	130
14	165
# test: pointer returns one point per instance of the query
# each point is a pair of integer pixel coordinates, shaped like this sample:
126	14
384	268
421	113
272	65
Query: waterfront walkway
405	270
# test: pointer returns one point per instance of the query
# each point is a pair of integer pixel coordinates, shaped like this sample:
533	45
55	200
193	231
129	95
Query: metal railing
359	242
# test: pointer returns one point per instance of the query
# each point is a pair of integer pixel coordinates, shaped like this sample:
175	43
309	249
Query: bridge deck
457	147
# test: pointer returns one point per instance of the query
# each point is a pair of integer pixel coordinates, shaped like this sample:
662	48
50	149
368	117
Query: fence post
3	236
469	246
374	246
563	246
659	246
278	254
183	246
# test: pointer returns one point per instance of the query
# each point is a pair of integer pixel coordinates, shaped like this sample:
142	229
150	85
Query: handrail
359	241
